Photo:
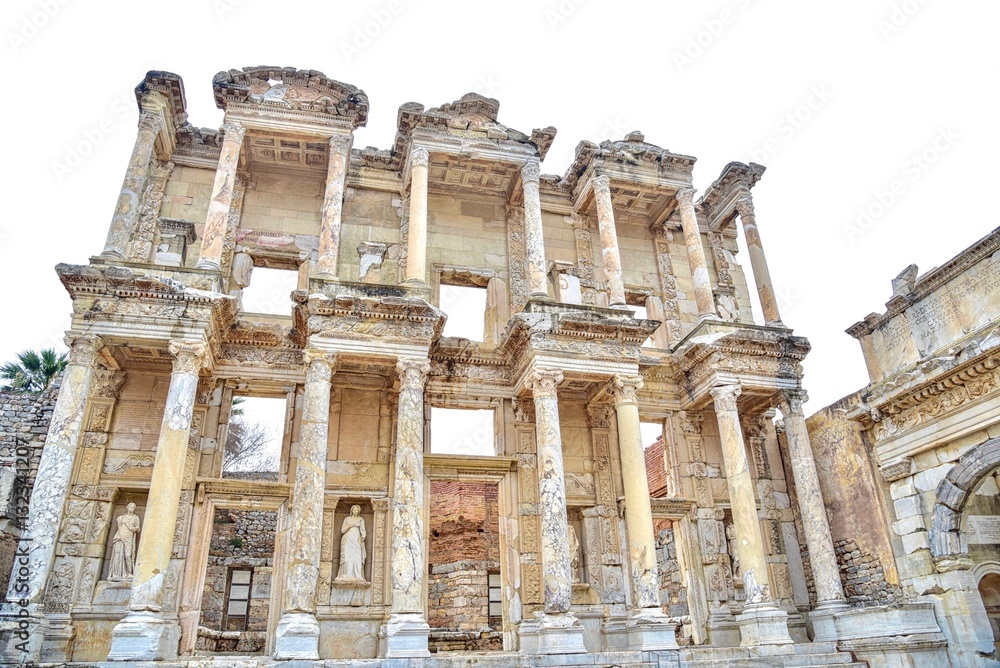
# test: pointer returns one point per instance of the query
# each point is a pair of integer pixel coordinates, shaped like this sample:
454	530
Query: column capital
790	402
602	183
685	196
150	121
599	415
691	421
744	206
233	131
341	144
412	371
543	382
531	172
419	157
319	364
725	396
624	388
83	348
189	356
107	383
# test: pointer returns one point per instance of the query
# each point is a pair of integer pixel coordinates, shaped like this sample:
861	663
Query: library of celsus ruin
612	299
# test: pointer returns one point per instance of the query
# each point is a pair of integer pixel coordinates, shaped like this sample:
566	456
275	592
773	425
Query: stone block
928	480
902	488
909	525
907	507
916	541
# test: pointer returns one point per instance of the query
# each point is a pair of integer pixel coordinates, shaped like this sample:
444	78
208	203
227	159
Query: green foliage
236	542
33	371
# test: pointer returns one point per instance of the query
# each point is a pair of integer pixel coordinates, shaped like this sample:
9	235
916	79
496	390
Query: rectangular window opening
269	292
642	314
466	309
459	431
651	433
253	442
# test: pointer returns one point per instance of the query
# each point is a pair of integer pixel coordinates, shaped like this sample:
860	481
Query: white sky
881	94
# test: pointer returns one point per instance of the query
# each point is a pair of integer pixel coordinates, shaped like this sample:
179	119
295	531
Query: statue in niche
575	554
734	553
123	546
352	547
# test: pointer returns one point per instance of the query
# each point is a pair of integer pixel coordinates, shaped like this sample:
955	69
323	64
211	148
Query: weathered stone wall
239	538
863	576
673	594
24	422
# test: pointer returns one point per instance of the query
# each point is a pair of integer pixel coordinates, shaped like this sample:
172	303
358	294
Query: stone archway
988	578
953	493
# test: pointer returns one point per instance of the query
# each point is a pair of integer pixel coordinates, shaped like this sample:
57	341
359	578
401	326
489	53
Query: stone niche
124	497
352	593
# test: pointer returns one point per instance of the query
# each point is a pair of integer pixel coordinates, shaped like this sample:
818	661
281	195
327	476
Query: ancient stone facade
588	564
908	465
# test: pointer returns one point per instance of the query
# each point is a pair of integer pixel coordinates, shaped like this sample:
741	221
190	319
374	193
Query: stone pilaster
610	256
146	633
534	241
761	275
555	630
36	548
406	631
696	255
649	627
297	635
762	621
217	220
822	557
333	204
147	228
130	198
416	238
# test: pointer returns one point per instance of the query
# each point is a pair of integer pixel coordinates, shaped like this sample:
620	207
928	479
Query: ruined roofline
909	288
632	150
733	176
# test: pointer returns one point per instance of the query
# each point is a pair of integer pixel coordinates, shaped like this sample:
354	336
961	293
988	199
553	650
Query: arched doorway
989	590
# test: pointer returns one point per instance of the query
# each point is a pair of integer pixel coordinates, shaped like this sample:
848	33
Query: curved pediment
285	88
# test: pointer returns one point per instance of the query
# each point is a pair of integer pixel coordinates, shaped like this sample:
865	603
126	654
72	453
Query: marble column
36	548
416	238
610	255
333	204
534	240
762	621
761	275
145	634
703	298
222	197
130	197
297	634
822	557
649	627
558	630
406	631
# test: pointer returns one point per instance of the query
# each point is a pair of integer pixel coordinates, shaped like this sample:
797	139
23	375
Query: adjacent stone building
908	469
613	296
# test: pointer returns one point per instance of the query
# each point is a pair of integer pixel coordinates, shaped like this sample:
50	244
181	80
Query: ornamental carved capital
531	172
412	373
543	382
107	384
150	122
319	365
624	389
790	402
233	131
691	422
189	356
744	206
599	416
419	157
83	348
524	411
602	185
341	144
685	197
725	396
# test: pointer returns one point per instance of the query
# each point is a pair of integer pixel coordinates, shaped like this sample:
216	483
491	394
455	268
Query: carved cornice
402	319
735	182
633	152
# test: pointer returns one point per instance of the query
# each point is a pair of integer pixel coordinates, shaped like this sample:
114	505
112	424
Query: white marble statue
352	547
575	554
123	546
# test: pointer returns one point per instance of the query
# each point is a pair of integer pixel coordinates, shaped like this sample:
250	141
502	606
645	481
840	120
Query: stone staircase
804	655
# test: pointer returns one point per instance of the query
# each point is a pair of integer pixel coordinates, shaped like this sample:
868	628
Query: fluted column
297	635
762	622
333	204
38	540
534	240
696	255
416	239
822	557
407	629
144	635
610	255
129	199
222	197
761	275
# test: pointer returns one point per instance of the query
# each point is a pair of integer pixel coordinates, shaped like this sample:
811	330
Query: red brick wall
656	470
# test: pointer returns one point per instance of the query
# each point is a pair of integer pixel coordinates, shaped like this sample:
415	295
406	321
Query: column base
722	628
207	264
297	637
406	636
21	635
650	629
763	624
57	638
824	629
552	634
144	636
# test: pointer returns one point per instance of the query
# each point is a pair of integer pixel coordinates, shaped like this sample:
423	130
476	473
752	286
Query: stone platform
805	655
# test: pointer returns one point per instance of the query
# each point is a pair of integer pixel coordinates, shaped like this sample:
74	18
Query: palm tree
33	370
